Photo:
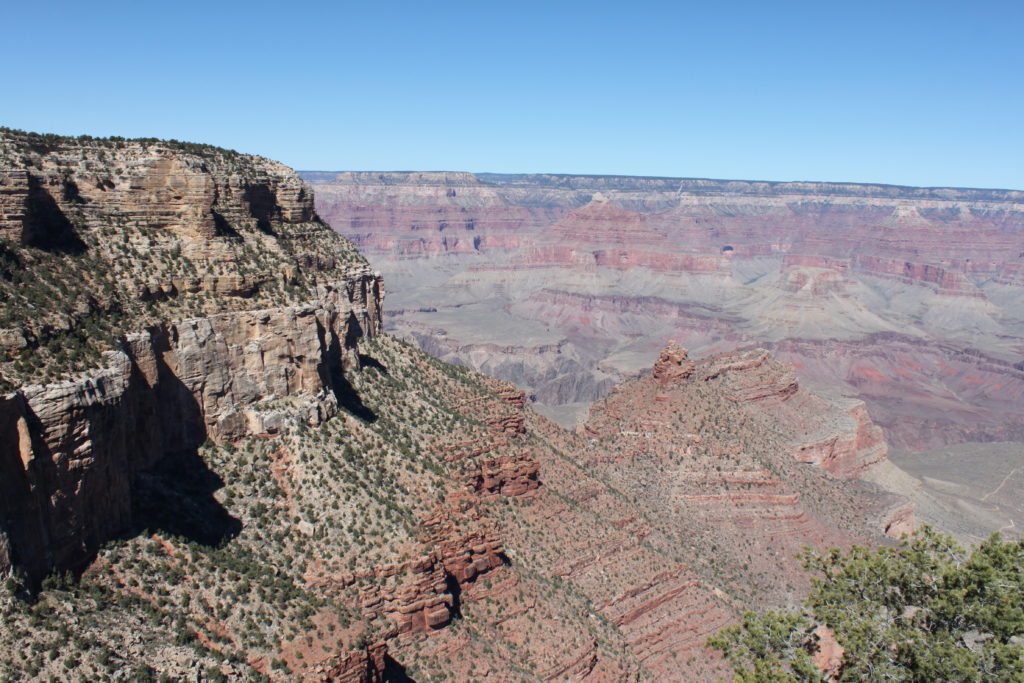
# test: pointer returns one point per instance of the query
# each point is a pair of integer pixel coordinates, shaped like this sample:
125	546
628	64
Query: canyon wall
112	249
77	447
909	299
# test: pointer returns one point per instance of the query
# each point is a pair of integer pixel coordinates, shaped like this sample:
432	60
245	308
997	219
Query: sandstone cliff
112	249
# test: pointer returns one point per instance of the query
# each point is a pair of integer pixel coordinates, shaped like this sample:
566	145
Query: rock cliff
162	380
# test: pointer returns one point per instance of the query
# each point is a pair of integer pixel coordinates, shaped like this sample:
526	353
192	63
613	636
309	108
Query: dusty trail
1001	484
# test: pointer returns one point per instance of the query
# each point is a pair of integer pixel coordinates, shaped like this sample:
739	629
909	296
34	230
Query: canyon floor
968	490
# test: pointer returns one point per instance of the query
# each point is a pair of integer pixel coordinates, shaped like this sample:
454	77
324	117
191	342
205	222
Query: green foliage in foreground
925	611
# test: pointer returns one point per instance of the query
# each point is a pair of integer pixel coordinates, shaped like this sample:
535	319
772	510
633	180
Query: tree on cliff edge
925	611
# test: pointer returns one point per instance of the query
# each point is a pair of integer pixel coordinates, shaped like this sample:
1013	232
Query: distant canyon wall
911	299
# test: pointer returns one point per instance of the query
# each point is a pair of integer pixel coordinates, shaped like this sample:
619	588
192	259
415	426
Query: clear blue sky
920	93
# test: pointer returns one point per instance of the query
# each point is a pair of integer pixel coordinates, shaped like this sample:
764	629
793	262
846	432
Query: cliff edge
155	294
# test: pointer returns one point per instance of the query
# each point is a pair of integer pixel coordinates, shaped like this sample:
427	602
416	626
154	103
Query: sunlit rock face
204	284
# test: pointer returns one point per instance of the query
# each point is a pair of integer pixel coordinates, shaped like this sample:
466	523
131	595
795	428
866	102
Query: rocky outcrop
70	470
512	394
421	603
691	447
82	442
195	191
506	475
752	376
673	365
835	434
107	237
902	521
422	595
846	452
366	665
232	361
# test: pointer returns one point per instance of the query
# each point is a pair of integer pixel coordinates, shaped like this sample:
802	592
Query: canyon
909	299
217	463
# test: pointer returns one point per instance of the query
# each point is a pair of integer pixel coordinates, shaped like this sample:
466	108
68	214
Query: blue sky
919	93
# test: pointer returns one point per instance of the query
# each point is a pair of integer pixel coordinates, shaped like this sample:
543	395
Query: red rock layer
689	450
945	279
506	475
359	666
673	365
663	609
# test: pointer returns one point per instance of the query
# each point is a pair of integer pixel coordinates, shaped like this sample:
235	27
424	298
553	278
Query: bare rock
363	665
505	475
673	364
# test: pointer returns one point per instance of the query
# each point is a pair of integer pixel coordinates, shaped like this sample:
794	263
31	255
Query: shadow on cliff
346	394
395	672
175	493
366	361
456	592
348	398
144	471
176	497
222	228
47	226
263	206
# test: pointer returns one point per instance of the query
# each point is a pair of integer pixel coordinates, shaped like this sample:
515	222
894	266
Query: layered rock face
906	298
683	500
696	463
196	355
361	666
75	449
193	191
744	464
83	442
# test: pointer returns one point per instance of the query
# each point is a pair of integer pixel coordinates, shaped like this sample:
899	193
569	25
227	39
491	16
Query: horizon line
895	186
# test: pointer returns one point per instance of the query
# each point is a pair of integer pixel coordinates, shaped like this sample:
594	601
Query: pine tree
925	611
